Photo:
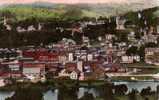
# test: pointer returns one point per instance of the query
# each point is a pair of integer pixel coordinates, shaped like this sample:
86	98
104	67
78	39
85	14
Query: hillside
45	10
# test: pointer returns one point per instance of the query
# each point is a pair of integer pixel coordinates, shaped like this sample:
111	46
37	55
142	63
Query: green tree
67	90
141	53
106	91
27	94
121	89
87	96
133	50
72	13
132	95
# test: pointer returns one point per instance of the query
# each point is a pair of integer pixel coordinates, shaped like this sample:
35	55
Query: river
49	95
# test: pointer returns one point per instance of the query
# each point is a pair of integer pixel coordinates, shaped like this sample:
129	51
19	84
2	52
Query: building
152	56
120	22
130	59
33	70
12	69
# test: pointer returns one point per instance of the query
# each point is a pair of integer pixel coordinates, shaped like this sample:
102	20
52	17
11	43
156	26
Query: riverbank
56	83
92	86
53	84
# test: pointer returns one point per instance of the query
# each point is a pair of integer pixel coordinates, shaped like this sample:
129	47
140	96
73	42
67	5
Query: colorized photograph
79	49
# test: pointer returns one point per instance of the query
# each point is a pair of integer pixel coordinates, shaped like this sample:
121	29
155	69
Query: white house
130	59
89	57
33	70
74	75
120	23
70	57
31	28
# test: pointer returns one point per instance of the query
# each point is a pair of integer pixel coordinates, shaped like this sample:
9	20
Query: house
130	59
90	57
20	29
33	70
12	68
86	40
150	38
109	37
71	66
31	28
41	54
81	54
8	27
62	58
92	70
131	36
63	73
152	56
70	57
40	27
120	22
52	69
74	75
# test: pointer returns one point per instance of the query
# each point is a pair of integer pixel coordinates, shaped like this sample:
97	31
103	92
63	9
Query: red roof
40	65
43	55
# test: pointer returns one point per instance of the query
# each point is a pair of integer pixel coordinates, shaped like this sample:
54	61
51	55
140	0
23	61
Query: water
4	95
83	90
49	95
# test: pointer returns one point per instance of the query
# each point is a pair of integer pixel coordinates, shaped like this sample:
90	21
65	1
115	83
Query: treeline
68	90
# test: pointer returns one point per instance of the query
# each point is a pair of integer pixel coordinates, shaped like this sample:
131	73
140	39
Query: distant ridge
91	10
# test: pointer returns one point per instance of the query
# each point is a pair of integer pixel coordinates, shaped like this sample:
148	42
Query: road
131	75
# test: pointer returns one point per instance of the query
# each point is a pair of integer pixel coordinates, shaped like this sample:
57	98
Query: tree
146	98
150	44
146	91
87	96
121	89
67	90
132	95
72	13
27	94
7	14
133	50
106	91
141	53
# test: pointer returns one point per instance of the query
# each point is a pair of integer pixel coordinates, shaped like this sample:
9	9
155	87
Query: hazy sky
70	1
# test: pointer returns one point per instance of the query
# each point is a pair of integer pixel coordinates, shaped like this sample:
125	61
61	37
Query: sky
70	1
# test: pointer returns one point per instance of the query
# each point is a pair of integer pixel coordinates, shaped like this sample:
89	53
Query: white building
130	59
80	66
31	28
120	23
31	73
74	75
70	57
89	57
33	70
